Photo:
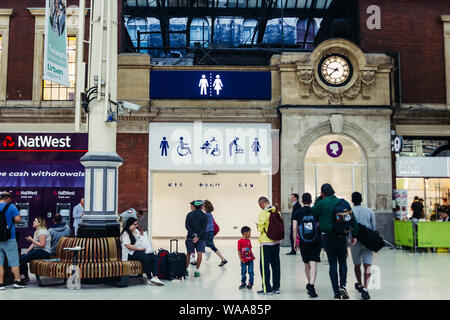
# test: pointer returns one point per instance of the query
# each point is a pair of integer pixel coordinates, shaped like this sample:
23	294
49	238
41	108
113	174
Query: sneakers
311	291
208	255
358	287
268	293
337	296
156	281
196	274
250	285
2	287
186	274
344	293
224	262
365	294
242	286
19	284
292	253
277	291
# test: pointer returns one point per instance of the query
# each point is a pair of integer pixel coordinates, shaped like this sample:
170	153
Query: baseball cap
196	202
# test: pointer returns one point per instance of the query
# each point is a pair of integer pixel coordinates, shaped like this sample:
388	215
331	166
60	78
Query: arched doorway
338	160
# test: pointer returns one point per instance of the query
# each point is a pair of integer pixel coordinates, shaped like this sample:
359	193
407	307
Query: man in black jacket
196	221
293	237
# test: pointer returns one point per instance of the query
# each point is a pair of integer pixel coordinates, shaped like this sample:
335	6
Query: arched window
306	32
248	30
199	32
339	161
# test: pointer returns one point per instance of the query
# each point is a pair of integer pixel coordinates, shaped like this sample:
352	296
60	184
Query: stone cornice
6	12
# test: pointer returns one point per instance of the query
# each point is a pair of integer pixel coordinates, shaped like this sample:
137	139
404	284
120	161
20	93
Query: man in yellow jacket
270	251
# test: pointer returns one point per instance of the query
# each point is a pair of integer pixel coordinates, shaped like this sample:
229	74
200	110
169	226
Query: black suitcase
369	238
177	263
163	264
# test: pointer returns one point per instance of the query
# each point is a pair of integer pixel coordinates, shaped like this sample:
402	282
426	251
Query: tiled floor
401	276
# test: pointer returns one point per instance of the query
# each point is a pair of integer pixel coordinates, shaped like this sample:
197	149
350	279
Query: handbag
216	227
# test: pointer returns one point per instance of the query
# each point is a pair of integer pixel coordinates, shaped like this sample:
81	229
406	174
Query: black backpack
369	238
343	219
5	230
308	229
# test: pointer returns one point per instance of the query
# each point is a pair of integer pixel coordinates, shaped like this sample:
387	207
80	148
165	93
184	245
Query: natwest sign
35	142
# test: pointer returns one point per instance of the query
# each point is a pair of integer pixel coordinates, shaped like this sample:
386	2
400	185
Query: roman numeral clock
335	70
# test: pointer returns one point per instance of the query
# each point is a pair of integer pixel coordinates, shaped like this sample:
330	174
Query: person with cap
130	213
196	222
335	245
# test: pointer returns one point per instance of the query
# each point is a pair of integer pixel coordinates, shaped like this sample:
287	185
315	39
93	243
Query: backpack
5	230
275	231
343	218
308	229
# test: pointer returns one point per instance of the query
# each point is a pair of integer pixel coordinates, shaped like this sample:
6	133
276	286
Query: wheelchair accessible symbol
183	148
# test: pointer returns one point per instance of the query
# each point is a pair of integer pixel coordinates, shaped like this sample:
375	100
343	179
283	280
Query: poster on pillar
210	146
55	43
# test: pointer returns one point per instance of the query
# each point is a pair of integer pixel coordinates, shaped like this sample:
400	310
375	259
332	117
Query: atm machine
64	210
24	210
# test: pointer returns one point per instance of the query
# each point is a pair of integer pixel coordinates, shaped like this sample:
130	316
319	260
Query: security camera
130	106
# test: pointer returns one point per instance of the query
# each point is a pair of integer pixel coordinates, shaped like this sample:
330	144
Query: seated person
443	213
136	247
57	231
40	247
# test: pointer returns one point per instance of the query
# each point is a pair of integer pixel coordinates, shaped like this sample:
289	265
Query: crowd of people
313	228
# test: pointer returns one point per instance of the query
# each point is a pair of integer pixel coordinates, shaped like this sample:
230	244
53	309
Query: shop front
229	164
43	174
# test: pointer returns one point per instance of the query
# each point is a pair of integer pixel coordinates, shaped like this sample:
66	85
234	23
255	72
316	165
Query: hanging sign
55	46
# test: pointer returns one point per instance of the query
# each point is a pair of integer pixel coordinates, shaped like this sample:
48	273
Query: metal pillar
102	162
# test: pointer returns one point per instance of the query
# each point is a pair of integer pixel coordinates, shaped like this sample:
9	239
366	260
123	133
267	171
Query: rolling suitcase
177	263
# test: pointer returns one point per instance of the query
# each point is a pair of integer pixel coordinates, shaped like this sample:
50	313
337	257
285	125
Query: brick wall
21	46
412	28
133	174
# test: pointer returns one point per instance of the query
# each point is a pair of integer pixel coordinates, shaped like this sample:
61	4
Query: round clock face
335	70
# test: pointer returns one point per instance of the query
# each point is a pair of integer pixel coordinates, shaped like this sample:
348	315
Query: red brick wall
412	28
133	174
21	46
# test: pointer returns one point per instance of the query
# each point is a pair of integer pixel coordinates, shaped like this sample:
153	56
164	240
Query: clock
335	70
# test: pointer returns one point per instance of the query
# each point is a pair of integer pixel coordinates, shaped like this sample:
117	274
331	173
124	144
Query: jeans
336	249
244	267
149	262
210	241
33	254
270	257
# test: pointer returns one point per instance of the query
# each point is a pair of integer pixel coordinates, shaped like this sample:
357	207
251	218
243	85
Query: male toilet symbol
217	85
203	84
164	146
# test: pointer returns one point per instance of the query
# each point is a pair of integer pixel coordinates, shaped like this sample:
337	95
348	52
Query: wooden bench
101	259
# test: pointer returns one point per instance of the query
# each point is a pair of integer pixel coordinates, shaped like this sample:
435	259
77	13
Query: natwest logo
43	142
8	142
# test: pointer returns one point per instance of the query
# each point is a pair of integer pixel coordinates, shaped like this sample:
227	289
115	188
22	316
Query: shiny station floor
401	276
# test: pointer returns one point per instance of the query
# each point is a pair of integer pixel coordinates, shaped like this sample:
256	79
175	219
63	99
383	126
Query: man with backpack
271	228
336	222
366	217
8	243
310	241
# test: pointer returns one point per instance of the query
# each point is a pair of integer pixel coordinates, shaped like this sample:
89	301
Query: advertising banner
41	175
429	167
55	47
210	84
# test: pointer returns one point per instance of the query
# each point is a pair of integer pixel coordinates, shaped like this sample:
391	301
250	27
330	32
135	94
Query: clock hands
334	70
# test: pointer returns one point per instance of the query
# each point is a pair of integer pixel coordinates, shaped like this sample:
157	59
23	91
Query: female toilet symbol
203	84
217	85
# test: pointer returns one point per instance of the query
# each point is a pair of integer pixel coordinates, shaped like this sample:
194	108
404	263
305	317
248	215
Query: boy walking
246	256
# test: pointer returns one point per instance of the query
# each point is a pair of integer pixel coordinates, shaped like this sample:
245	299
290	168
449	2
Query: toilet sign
334	149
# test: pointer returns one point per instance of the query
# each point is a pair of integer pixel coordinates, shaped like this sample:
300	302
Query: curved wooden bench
101	259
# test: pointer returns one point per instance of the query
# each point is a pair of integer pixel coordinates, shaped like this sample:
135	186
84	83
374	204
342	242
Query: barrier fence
422	234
